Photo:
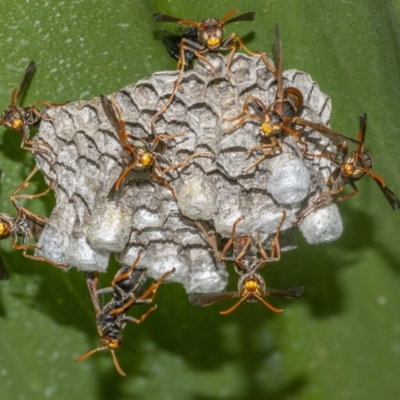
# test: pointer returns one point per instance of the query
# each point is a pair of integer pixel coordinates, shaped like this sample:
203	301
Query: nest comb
86	226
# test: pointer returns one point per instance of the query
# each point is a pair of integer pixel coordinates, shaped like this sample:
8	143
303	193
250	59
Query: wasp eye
203	37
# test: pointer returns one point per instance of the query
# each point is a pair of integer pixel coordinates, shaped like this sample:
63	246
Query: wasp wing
277	52
243	17
363	127
206	299
109	110
390	196
324	130
165	18
27	76
291	293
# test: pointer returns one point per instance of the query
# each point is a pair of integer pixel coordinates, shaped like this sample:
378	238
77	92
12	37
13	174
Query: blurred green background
340	341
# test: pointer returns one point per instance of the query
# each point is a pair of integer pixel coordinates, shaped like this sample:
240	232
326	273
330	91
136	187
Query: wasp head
211	33
6	226
271	125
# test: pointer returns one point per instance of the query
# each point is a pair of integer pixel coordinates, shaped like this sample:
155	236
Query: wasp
251	284
22	118
144	154
25	225
349	169
111	319
209	37
280	116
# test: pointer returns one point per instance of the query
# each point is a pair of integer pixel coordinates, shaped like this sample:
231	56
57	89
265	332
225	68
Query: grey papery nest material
86	226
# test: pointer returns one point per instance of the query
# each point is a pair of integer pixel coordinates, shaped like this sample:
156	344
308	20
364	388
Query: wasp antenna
226	17
266	304
116	363
89	353
235	306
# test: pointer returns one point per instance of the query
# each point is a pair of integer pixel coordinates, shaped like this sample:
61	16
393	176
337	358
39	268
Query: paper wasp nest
86	226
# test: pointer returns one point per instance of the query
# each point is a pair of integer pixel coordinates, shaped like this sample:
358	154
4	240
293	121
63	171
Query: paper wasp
25	224
144	154
280	115
209	38
251	285
113	317
22	118
351	167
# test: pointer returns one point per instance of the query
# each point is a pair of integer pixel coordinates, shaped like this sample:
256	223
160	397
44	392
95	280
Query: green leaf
340	341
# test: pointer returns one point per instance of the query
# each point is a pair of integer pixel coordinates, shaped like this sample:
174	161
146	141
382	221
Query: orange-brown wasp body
349	169
144	154
25	225
280	116
113	317
210	38
251	284
22	118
